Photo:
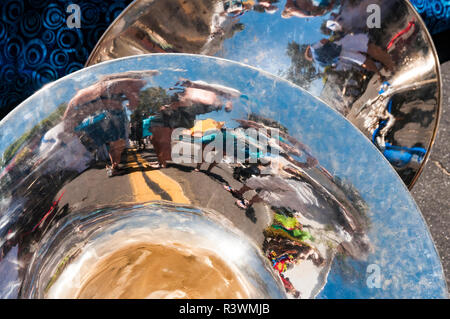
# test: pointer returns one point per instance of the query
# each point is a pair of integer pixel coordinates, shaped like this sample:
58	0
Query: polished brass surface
228	168
351	58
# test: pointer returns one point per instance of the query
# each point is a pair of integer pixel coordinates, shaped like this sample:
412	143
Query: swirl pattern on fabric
37	46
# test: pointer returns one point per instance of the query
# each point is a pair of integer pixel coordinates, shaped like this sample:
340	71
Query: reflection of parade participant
197	98
350	51
277	186
137	130
99	111
306	8
296	148
288	226
206	131
280	264
244	147
58	158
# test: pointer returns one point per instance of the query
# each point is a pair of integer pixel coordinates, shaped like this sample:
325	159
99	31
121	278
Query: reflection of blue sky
404	250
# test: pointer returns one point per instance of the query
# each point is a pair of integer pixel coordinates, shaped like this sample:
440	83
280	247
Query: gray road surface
432	191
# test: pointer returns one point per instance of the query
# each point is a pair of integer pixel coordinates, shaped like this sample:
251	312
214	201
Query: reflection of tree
151	100
301	72
39	130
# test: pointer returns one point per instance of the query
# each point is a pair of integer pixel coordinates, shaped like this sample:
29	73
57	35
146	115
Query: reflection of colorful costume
280	263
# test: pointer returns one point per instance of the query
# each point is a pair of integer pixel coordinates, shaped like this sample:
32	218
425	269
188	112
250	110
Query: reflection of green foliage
150	101
58	272
301	72
275	231
288	222
40	129
290	227
59	269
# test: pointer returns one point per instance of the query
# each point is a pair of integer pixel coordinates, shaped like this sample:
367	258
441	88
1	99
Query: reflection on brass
325	47
151	271
213	168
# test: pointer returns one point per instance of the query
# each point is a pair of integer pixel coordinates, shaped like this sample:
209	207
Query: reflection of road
138	182
148	184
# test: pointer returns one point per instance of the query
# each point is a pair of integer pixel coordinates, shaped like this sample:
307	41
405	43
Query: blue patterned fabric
436	14
37	46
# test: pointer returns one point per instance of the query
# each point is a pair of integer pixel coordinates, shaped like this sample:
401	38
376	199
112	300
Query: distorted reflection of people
351	51
195	98
279	188
137	129
98	111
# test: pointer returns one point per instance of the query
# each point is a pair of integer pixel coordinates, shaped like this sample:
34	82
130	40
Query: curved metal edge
440	95
436	127
111	26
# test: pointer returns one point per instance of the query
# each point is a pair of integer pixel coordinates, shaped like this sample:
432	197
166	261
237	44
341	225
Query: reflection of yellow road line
167	184
141	190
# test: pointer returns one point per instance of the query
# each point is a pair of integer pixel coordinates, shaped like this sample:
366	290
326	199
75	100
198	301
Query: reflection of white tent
9	275
64	150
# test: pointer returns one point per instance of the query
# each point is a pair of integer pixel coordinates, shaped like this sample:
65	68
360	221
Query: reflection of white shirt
65	151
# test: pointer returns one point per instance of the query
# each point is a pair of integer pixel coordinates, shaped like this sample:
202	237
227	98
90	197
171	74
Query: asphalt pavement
432	190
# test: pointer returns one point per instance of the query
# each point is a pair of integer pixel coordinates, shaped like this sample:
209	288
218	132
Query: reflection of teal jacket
146	125
210	136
